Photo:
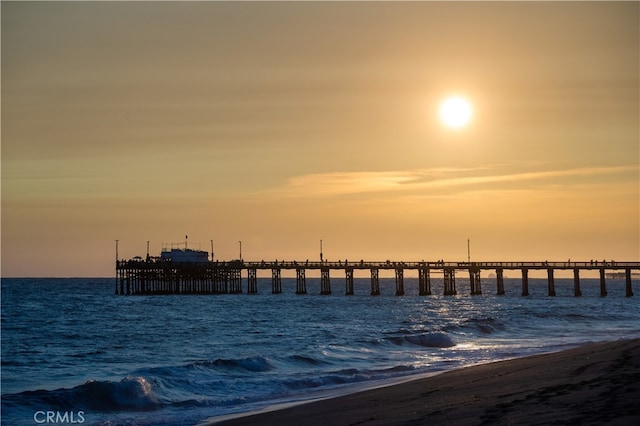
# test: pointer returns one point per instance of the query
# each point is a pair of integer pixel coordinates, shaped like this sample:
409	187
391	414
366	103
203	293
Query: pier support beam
252	281
235	281
399	282
474	282
325	282
173	286
450	282
375	282
276	281
603	283
218	282
349	281
424	282
175	276
208	282
576	282
500	281
118	272
166	282
551	284
146	283
525	282
135	281
628	282
301	281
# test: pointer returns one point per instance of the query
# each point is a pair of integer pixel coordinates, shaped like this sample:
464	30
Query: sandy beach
593	384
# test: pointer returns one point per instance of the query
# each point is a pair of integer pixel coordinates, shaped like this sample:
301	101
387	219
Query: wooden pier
161	276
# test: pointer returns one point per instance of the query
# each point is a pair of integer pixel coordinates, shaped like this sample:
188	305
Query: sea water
73	352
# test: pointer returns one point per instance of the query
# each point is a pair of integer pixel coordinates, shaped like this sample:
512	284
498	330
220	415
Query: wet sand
591	385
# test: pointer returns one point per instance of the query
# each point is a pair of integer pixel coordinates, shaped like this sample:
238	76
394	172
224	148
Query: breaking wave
129	394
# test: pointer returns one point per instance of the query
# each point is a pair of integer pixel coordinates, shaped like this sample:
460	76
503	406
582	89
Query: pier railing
388	265
158	276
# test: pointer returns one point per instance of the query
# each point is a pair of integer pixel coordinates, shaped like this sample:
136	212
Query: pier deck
157	276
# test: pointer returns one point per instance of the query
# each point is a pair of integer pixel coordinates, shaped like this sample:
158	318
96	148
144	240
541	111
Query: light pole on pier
468	250
240	242
320	251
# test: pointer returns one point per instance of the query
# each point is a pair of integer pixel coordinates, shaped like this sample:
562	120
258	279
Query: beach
596	383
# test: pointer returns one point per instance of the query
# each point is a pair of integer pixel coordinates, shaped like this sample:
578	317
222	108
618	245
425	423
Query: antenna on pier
147	250
117	251
468	250
212	250
320	251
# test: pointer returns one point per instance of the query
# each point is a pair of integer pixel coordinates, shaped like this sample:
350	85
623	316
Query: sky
280	124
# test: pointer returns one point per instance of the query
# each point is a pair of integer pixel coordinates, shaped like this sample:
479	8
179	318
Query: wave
129	394
477	326
325	380
306	360
254	364
484	325
425	340
346	376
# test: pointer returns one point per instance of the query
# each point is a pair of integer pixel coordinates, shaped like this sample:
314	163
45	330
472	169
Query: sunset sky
281	124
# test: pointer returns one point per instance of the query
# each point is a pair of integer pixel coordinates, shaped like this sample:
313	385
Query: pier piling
525	282
474	282
121	279
551	283
252	281
576	282
375	282
424	282
235	281
325	281
349	281
603	283
276	281
500	281
301	282
450	282
218	282
399	282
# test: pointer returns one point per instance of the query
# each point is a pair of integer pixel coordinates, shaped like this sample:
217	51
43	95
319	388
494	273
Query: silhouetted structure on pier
167	275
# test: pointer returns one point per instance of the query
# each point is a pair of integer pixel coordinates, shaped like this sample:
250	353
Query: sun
455	112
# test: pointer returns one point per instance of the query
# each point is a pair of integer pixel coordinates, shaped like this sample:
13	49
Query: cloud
434	179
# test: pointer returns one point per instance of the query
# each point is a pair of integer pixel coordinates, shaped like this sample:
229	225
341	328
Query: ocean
75	353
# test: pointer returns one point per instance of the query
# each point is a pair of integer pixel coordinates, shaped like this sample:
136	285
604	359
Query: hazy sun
455	112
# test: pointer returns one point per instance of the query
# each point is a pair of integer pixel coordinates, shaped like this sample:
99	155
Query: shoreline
593	383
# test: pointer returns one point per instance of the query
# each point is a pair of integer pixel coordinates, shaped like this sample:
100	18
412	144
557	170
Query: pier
167	275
